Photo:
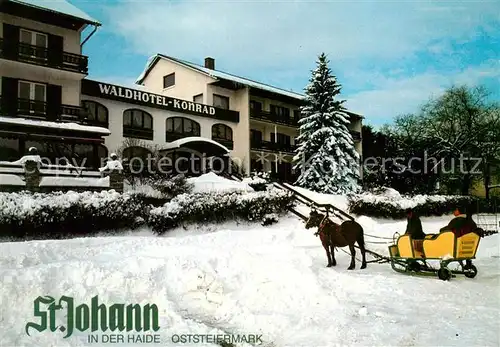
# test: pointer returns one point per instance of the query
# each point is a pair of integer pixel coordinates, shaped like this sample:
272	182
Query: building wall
70	82
188	83
70	88
71	38
115	114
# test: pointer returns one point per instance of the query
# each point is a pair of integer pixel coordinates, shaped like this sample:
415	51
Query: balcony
272	146
273	118
40	110
42	56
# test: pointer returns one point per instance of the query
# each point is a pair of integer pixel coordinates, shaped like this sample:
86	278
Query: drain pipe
88	37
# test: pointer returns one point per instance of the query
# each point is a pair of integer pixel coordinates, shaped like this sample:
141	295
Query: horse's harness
324	235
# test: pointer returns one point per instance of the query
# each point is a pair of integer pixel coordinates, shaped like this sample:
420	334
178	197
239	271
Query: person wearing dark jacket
414	226
462	223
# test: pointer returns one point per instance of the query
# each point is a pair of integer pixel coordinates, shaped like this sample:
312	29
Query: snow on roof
59	6
46	124
180	142
218	75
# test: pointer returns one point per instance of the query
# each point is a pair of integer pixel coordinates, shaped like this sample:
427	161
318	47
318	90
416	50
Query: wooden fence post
32	175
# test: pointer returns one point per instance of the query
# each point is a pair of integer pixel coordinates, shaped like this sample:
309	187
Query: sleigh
411	256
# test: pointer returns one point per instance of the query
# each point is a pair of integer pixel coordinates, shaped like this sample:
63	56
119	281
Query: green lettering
135	318
96	310
37	313
116	317
151	315
70	312
82	317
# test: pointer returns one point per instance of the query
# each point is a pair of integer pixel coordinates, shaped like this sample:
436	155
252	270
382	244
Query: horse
334	235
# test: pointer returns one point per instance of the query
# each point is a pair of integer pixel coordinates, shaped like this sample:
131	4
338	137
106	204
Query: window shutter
54	95
9	96
273	137
55	50
10	41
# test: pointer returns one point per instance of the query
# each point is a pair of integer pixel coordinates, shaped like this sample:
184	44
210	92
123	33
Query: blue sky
389	56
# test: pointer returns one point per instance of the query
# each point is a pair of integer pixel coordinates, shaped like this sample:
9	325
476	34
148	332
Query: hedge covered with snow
49	215
395	205
55	214
216	207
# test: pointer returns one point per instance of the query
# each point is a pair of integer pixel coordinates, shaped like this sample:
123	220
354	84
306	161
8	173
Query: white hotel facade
178	107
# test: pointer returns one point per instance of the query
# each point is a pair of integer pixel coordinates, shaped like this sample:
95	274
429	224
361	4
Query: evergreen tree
326	157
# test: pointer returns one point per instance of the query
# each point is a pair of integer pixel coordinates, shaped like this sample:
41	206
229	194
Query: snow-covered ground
249	279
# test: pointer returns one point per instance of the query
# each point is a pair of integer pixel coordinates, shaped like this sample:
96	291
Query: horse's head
314	220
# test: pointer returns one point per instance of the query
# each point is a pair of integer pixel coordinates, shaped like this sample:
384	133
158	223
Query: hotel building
179	107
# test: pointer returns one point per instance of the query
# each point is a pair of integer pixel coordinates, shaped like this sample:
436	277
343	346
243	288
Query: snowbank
74	182
249	279
211	182
11	180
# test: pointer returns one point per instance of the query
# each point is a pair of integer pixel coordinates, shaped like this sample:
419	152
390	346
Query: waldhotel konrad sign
139	97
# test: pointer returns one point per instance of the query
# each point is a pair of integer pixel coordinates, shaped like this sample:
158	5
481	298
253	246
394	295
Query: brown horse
334	235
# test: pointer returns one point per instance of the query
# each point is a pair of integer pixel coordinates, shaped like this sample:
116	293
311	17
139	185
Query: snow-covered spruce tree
325	158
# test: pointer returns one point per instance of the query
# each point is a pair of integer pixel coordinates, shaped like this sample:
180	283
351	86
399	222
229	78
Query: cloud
398	95
257	34
371	45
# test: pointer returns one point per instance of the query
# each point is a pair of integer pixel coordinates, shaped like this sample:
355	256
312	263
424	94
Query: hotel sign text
135	96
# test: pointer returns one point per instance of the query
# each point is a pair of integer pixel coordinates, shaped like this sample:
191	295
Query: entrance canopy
198	144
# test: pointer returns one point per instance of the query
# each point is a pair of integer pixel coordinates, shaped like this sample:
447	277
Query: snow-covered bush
215	207
258	180
158	190
270	219
63	214
392	205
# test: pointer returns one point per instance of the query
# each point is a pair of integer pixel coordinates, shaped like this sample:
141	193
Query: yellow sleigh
409	256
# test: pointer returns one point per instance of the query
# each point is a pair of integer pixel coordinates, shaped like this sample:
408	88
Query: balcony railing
272	146
43	56
137	133
274	118
227	143
41	110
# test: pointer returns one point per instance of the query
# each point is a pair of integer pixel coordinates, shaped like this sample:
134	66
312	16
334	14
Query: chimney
210	63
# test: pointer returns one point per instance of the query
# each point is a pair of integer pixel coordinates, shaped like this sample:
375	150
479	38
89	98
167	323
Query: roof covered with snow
59	6
218	75
55	125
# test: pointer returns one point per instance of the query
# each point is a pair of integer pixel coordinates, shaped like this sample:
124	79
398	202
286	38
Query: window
137	119
222	132
281	138
169	80
33	38
281	112
255	106
33	44
135	158
198	99
221	101
96	112
32	91
255	136
179	127
32	97
137	124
